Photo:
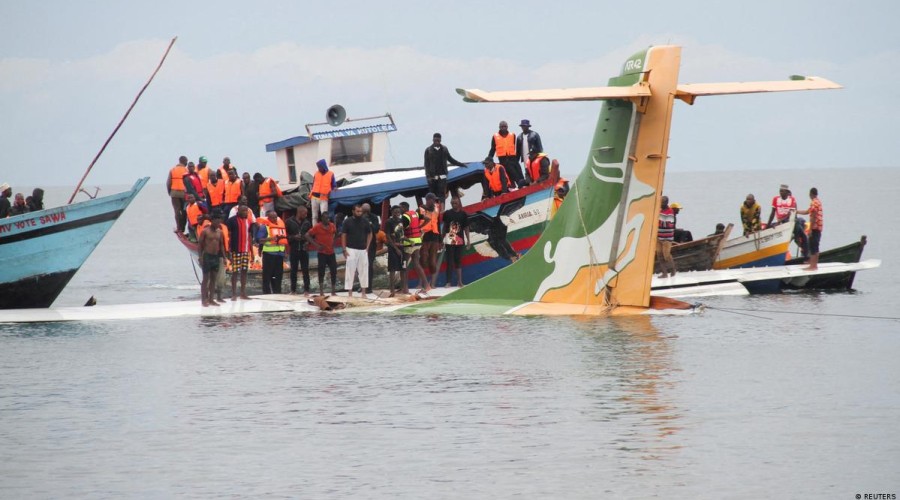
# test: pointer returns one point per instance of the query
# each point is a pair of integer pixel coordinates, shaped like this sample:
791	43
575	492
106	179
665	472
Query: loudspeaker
335	115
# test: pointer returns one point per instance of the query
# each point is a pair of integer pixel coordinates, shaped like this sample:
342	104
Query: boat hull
768	247
41	251
847	254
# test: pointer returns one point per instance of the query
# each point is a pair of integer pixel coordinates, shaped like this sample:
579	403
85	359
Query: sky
245	74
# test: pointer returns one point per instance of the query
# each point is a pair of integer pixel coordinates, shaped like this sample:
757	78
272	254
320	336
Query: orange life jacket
321	184
203	173
505	146
432	225
178	172
265	191
216	193
534	167
275	229
193	213
493	178
233	190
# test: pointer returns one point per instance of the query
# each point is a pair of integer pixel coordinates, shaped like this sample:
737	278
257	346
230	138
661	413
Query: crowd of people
20	204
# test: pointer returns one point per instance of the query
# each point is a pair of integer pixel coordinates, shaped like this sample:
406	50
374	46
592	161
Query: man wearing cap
503	144
5	193
681	235
322	186
528	145
782	206
436	158
203	172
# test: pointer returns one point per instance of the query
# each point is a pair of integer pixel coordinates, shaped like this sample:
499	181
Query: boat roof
408	182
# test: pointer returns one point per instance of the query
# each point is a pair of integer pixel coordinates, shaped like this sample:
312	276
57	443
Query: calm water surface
742	401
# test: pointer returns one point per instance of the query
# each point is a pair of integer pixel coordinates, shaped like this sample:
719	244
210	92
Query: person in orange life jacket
496	181
322	186
321	239
234	189
193	211
815	228
412	245
212	248
503	144
175	188
268	191
241	234
356	235
665	236
436	158
215	194
297	227
538	167
273	237
559	194
226	166
430	217
370	252
395	234
251	189
193	185
527	143
203	171
782	206
456	238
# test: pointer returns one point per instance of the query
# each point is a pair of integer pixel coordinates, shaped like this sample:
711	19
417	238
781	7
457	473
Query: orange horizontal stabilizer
689	91
577	94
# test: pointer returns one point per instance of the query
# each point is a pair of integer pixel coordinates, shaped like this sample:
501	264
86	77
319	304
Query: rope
834	315
592	258
194	267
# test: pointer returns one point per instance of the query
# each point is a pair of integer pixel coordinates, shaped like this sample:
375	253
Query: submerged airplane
596	256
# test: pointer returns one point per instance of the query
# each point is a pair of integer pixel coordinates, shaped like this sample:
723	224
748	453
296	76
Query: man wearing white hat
5	193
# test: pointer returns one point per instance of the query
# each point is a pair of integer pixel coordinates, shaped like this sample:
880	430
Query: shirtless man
212	248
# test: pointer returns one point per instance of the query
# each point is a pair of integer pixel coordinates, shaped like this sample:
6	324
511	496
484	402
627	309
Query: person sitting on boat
538	168
176	190
503	144
321	239
559	194
437	156
665	237
19	206
681	235
5	193
35	202
322	186
750	215
782	206
720	228
496	181
193	210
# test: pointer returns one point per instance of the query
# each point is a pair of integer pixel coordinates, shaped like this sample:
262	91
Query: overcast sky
244	74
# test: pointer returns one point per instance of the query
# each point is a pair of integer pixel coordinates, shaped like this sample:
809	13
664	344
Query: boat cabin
357	148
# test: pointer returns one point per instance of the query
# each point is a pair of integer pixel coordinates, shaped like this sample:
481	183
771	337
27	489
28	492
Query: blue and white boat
41	251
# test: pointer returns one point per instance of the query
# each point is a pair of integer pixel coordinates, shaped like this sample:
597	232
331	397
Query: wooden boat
41	251
768	247
846	254
698	255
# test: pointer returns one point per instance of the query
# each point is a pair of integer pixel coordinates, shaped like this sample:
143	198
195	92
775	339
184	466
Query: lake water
794	395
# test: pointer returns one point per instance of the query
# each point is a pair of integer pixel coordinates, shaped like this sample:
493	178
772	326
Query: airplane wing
688	92
574	94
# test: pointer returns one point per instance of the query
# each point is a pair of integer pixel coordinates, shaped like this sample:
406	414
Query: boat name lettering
371	129
525	215
34	222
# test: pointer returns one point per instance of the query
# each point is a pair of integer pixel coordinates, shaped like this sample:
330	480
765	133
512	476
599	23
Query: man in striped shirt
665	237
815	228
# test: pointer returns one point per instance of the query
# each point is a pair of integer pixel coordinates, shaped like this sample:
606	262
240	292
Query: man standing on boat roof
322	186
527	144
437	156
503	144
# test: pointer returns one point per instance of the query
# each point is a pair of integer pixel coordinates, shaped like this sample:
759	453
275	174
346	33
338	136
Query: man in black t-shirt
356	235
394	229
297	227
456	238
